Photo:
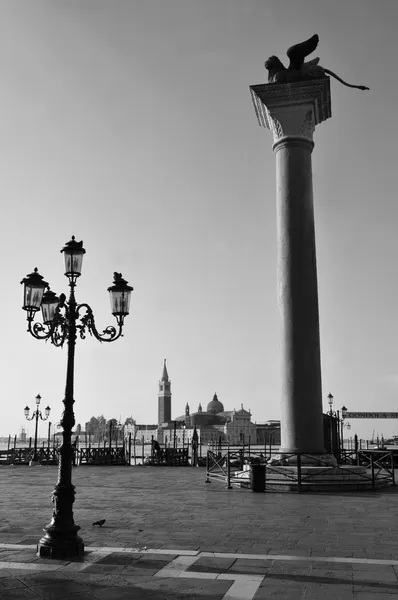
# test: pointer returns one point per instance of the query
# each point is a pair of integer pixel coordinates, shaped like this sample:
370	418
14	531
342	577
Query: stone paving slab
168	535
101	576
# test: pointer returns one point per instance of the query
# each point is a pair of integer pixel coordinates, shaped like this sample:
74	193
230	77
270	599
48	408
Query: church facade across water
215	424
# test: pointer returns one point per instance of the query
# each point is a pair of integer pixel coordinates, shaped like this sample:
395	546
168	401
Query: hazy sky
129	124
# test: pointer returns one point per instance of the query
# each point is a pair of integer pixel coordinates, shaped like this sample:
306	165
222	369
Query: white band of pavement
198	553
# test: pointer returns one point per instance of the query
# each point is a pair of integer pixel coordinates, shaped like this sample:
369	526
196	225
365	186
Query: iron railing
23	456
233	467
102	456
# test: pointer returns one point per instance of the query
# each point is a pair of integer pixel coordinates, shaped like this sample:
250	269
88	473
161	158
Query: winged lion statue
298	70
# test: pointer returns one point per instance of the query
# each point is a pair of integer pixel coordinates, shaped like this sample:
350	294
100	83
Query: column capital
292	110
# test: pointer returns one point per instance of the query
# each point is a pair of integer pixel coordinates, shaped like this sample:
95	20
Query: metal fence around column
303	472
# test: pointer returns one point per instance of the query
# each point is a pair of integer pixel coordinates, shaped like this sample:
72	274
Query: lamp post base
60	546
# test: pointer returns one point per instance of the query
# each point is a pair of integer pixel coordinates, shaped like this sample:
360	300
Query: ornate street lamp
36	415
63	321
331	415
330	401
344	425
340	423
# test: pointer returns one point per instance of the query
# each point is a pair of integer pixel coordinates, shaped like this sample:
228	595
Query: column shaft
301	407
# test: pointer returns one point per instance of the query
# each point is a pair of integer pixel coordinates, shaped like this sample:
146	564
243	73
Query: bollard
257	478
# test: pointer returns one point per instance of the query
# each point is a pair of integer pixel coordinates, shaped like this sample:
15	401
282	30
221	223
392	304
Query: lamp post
344	425
330	401
36	415
63	321
340	423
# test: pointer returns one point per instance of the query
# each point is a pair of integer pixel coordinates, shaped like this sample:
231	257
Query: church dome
215	406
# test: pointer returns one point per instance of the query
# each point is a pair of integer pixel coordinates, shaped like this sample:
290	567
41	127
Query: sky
129	124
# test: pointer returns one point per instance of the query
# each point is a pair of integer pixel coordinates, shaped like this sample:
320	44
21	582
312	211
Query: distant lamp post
340	423
63	321
331	415
36	415
344	425
330	401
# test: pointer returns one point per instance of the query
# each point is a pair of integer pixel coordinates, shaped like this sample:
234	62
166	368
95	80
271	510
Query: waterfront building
269	433
213	425
143	433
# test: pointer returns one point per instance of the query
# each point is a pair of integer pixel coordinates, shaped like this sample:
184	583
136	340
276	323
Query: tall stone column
291	111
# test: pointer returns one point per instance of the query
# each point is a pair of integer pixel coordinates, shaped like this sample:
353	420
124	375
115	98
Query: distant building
213	424
144	433
269	433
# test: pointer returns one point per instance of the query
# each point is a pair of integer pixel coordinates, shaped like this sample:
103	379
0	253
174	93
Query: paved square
168	535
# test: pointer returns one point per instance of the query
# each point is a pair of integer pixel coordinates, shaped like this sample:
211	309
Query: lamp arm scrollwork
60	324
56	331
39	330
59	334
109	334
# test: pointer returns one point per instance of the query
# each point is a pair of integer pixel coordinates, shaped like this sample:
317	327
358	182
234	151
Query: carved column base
61	544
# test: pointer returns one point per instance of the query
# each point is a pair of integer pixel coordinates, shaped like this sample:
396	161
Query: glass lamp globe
73	255
34	287
120	294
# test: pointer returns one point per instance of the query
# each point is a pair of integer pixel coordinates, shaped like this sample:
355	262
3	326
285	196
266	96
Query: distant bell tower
187	416
164	397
